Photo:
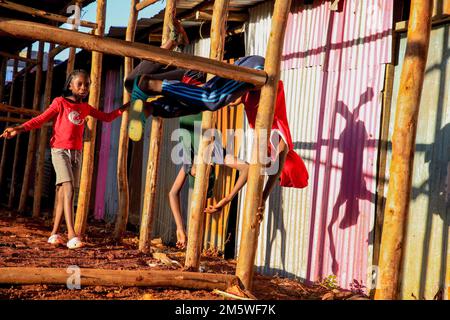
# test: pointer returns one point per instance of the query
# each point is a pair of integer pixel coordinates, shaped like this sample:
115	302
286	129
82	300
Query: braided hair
73	74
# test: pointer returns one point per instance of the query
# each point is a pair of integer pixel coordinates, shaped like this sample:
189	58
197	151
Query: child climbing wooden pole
89	146
403	146
264	119
198	202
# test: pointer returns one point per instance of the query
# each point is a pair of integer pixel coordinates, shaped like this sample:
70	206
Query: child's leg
68	207
157	70
174	201
169	108
67	167
59	208
215	94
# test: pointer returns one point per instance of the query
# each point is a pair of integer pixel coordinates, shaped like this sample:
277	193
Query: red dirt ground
23	244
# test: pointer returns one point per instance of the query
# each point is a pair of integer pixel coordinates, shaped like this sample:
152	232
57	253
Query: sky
117	12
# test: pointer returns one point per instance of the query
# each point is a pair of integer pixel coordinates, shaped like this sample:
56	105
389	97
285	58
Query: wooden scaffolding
404	135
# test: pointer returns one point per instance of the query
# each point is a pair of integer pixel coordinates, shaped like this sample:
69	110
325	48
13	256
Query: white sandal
74	243
55	239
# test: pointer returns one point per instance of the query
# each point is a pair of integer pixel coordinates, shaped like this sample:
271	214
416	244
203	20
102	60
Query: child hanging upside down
186	94
68	114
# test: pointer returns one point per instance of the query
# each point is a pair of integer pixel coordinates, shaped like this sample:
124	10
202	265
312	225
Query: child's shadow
351	143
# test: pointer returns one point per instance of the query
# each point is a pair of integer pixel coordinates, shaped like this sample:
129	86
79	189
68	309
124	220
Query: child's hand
260	212
218	206
125	106
9	133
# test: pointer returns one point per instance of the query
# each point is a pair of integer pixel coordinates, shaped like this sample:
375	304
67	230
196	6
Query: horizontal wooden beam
155	37
144	4
201	6
402	26
125	278
22	111
203	15
12	120
43	14
18	57
42	32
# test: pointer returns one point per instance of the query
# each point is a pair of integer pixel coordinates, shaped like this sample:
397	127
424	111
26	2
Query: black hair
73	74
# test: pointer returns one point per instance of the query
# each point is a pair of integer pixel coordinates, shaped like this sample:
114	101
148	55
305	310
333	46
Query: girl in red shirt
68	114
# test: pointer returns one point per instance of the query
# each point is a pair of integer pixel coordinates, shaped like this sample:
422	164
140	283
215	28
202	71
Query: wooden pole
122	175
3	65
144	4
403	147
57	50
151	177
21	111
11	100
122	278
43	14
25	70
40	160
264	119
17	57
87	167
37	31
33	136
72	50
2	77
198	202
12	120
12	190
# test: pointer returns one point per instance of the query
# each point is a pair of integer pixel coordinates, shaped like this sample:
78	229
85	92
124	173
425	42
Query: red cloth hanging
294	173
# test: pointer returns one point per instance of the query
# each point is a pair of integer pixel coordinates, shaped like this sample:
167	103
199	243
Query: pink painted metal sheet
102	172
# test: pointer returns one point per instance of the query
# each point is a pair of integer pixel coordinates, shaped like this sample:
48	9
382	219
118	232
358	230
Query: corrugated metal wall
426	255
333	70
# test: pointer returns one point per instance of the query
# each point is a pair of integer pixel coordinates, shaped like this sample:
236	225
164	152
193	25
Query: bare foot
177	33
181	239
149	85
182	38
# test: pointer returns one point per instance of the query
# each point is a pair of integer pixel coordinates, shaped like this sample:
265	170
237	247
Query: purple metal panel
346	51
361	32
344	178
102	173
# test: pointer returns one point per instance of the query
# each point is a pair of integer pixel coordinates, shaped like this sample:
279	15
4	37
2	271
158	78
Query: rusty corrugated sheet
426	251
333	70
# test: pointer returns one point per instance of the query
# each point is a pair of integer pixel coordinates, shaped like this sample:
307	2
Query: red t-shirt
68	124
294	173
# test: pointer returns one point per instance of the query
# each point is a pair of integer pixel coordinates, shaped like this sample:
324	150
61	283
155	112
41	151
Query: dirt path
23	244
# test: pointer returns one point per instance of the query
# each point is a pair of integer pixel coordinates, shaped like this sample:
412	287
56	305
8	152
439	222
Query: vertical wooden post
198	202
151	178
40	158
2	77
87	166
11	101
264	119
33	136
3	66
72	50
23	103
403	146
122	176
